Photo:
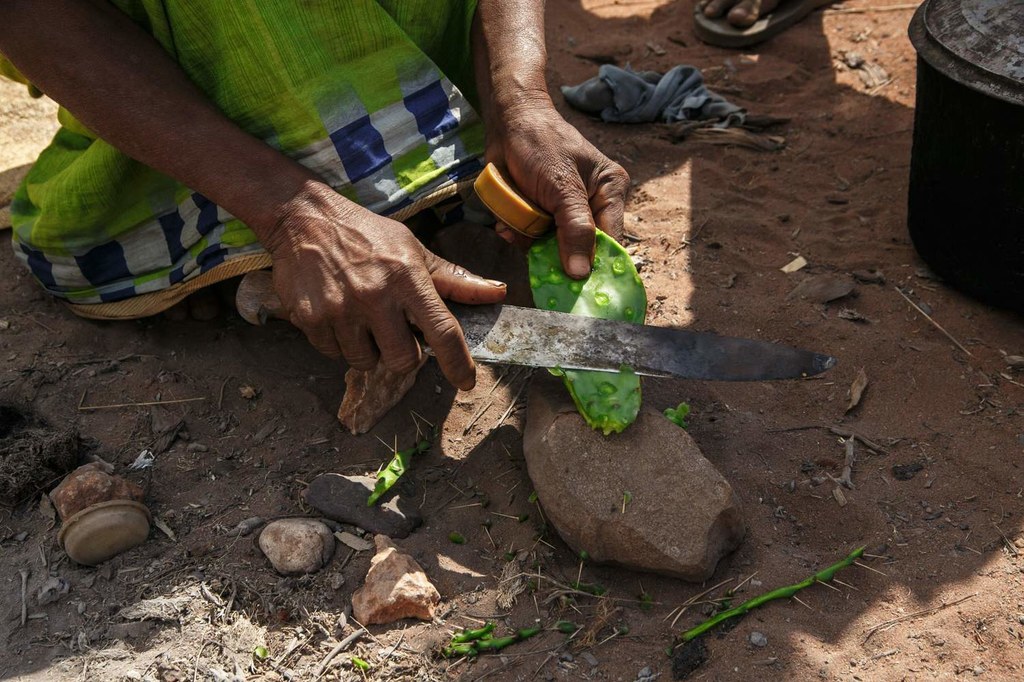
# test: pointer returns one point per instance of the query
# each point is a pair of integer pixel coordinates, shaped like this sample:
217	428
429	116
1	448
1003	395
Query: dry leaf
1015	361
164	528
860	383
248	392
794	265
823	288
353	541
47	510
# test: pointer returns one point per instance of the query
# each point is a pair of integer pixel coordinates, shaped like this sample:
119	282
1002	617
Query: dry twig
24	603
885	625
903	7
934	323
321	667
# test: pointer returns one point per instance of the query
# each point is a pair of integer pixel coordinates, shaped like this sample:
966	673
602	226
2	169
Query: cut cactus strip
608	401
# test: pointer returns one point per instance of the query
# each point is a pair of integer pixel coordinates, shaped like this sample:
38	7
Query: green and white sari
369	94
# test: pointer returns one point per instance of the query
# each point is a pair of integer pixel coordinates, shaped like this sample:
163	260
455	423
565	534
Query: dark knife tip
823	363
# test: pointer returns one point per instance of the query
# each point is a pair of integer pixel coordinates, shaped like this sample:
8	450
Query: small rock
590	659
297	546
758	639
52	590
854	60
869	276
246	526
337	581
343	498
567	657
395	588
645	675
1020	619
580	476
196	447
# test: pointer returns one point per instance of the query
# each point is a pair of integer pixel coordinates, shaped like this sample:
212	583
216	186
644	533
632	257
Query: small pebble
567	657
197	447
758	639
52	590
589	658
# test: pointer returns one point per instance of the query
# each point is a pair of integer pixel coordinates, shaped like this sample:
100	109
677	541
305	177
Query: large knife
507	334
543	338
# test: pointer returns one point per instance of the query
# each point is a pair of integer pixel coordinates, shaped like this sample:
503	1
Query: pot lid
978	43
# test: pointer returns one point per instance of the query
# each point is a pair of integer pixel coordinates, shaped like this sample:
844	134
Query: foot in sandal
741	23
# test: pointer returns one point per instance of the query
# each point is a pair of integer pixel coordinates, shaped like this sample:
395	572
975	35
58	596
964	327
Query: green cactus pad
613	291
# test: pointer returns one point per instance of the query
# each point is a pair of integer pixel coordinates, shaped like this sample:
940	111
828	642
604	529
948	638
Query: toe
716	8
744	13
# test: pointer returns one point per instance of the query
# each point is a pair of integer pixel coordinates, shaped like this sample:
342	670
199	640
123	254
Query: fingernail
579	265
495	283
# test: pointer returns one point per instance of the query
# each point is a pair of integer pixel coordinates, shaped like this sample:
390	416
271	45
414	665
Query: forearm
509	56
119	82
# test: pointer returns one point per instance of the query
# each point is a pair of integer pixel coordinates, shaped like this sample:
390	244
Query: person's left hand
554	166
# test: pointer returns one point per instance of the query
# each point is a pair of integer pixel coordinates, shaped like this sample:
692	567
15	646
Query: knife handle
508	205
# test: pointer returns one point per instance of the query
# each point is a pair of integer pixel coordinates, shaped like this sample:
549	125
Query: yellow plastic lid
508	205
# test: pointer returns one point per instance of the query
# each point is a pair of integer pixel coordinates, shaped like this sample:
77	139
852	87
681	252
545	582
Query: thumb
455	283
575	230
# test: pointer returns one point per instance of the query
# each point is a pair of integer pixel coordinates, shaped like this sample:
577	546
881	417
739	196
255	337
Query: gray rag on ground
627	96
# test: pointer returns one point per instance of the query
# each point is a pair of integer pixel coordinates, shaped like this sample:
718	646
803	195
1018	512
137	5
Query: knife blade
506	334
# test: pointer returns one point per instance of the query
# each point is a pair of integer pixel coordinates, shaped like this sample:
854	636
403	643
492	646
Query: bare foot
202	306
739	13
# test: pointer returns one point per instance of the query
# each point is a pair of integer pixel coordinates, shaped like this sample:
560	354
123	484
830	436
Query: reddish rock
370	395
90	484
395	588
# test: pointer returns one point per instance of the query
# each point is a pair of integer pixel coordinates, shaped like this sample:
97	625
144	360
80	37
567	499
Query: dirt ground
714	224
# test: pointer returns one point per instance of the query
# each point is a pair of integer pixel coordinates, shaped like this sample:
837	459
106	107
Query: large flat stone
343	498
683	516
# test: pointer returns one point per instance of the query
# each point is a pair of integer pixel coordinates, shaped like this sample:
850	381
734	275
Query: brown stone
680	517
297	546
90	484
370	395
395	588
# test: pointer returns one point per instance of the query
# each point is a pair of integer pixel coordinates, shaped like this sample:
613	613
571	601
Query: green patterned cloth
369	94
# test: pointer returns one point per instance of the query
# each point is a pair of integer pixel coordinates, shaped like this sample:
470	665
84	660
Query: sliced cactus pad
613	291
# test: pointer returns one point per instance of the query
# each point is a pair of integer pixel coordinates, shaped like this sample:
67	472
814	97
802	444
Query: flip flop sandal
721	33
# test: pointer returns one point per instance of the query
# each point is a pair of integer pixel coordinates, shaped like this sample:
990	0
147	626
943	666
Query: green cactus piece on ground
614	291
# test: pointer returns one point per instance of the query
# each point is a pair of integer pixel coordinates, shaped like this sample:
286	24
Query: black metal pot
966	204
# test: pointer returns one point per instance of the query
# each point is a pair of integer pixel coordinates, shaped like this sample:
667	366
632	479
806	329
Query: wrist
296	217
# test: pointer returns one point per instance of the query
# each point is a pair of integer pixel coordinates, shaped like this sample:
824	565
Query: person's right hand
354	282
